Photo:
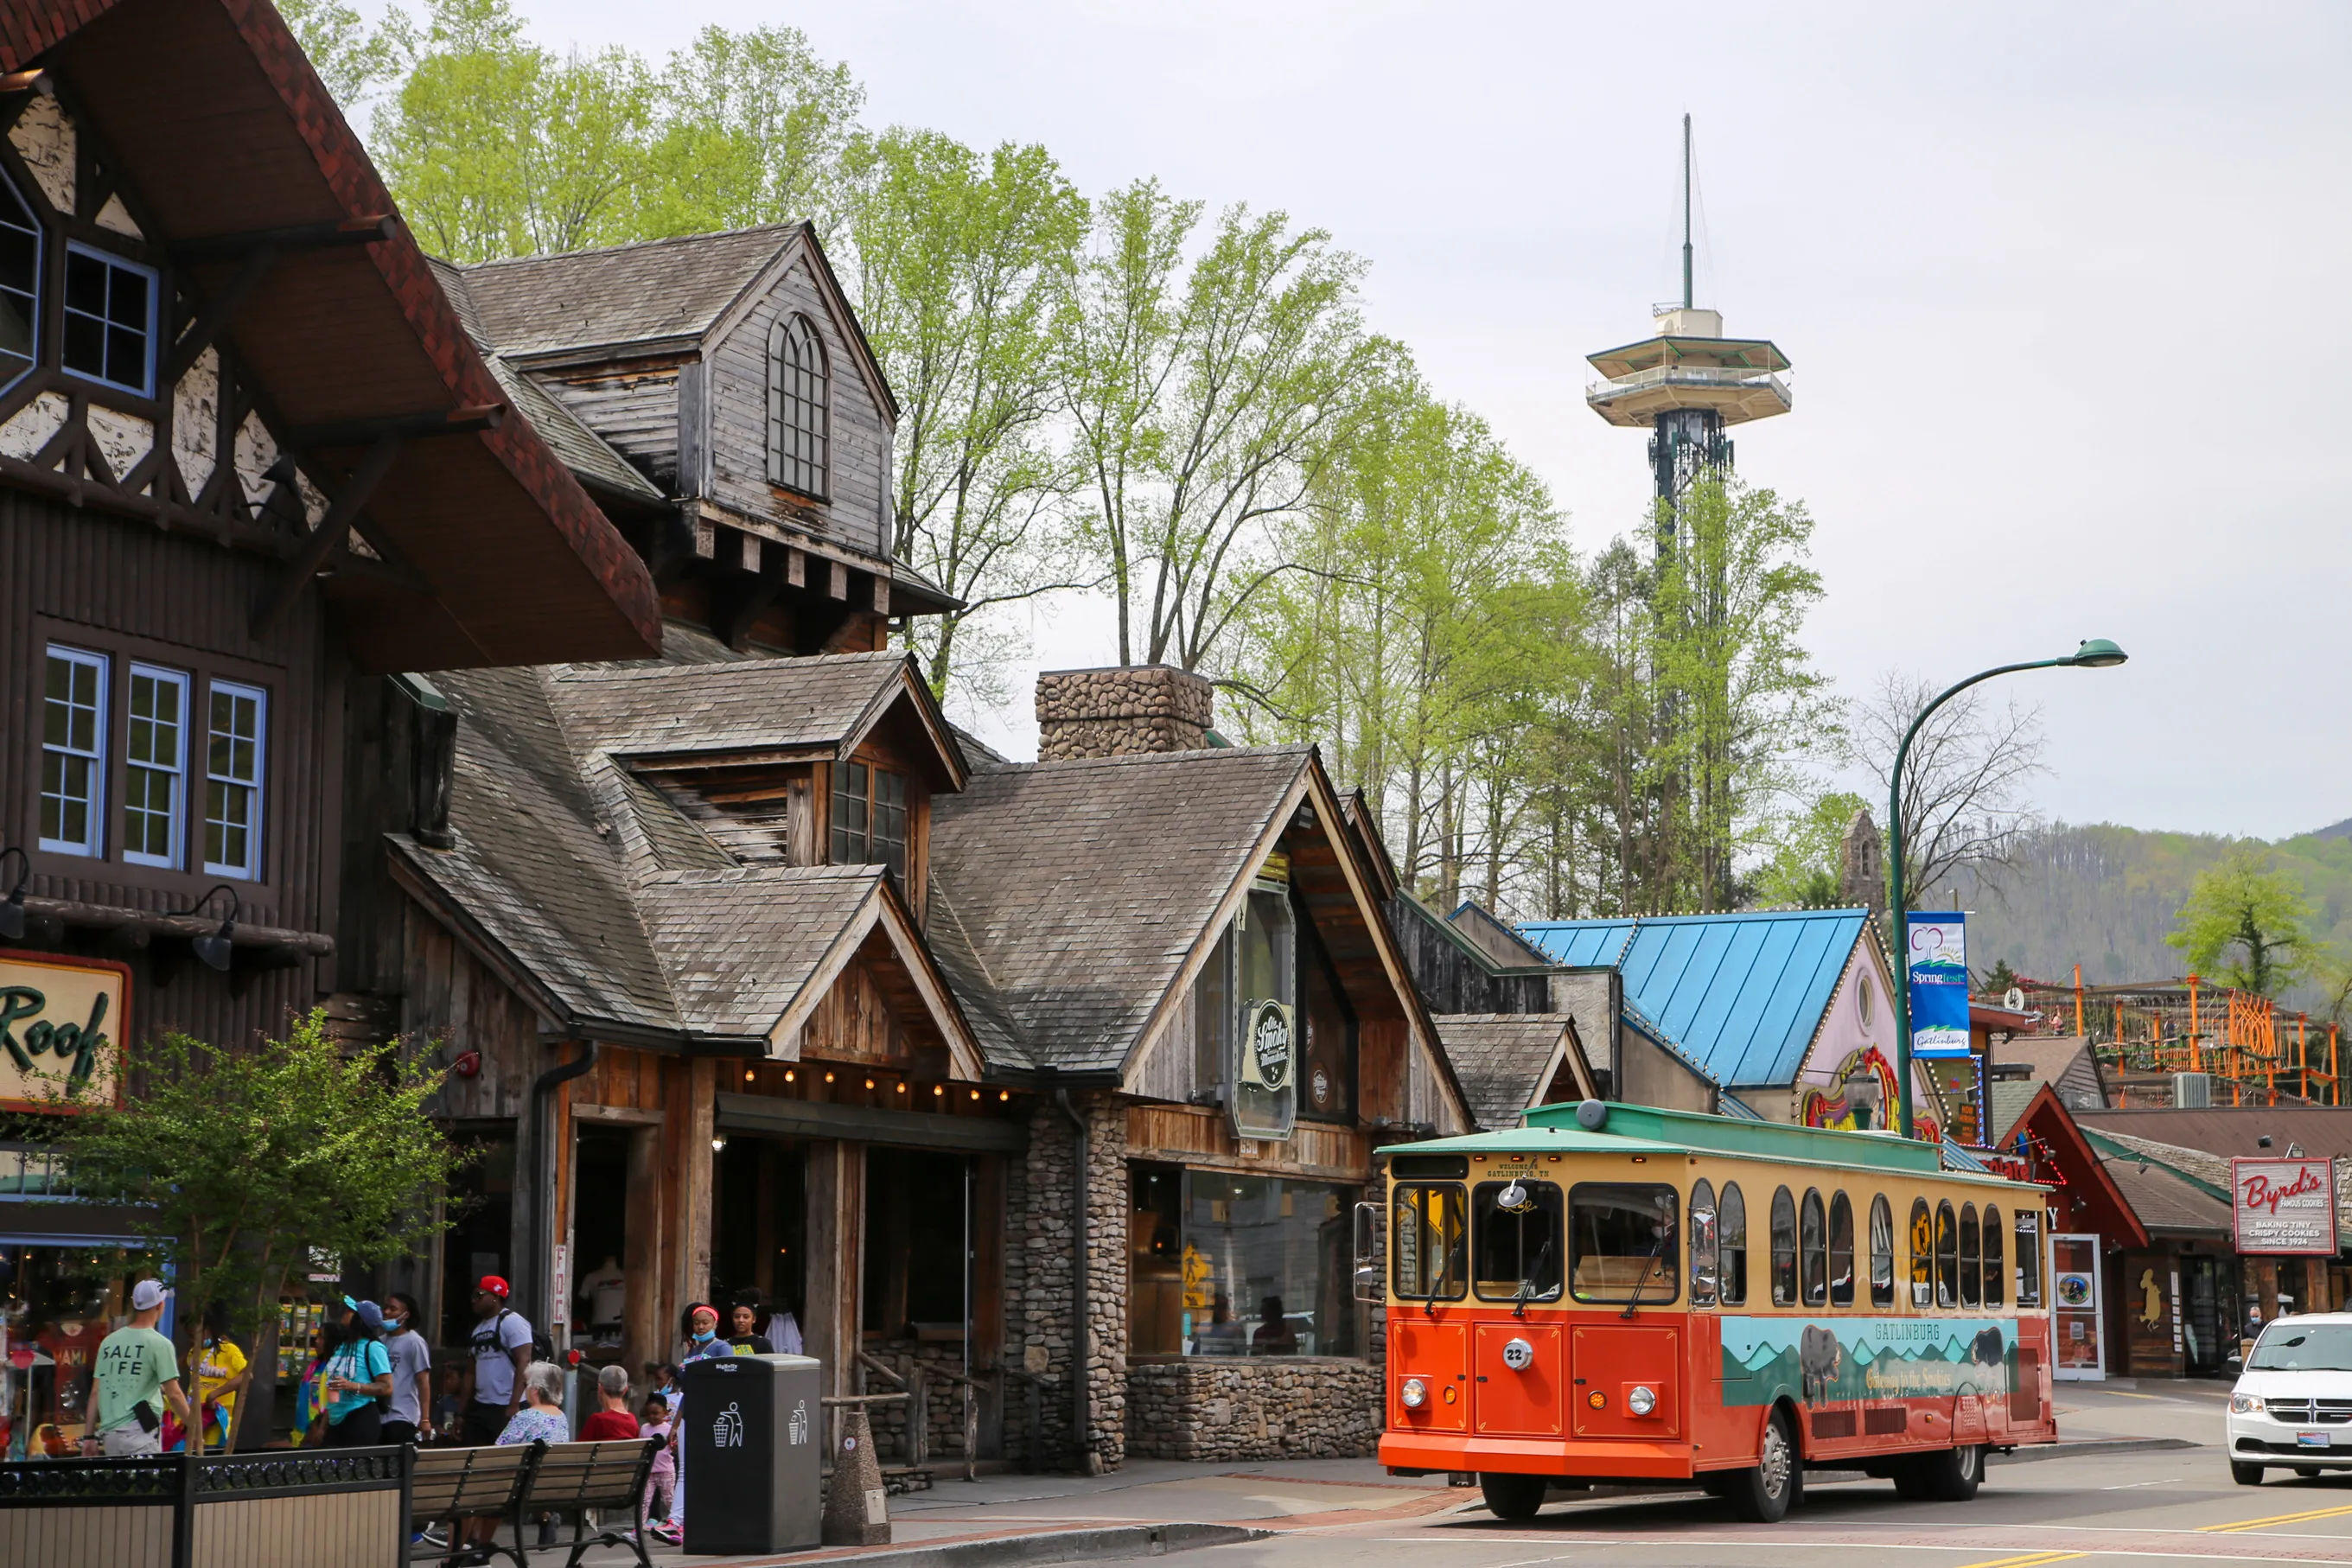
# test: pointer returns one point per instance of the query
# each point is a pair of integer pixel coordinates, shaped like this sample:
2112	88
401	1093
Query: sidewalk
1151	1507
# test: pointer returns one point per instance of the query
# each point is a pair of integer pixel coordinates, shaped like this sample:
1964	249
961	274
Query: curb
2027	1455
1060	1546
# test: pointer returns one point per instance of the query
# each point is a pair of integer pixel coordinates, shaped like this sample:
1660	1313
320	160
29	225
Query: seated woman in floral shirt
541	1418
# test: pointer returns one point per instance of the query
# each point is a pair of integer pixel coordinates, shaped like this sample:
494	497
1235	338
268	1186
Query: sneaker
428	1537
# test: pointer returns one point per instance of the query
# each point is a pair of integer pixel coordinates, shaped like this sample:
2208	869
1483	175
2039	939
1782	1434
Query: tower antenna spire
1687	301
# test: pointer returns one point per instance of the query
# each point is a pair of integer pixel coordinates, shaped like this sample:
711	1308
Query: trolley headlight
1414	1395
1642	1399
2245	1405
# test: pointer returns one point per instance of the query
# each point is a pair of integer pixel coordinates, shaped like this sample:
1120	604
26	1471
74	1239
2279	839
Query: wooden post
2196	1050
2078	1002
836	1259
2335	1082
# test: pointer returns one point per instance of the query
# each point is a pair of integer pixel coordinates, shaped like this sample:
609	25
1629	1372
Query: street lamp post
2098	653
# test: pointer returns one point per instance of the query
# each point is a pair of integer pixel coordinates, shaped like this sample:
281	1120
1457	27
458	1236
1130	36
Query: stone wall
1121	710
1269	1407
1038	1330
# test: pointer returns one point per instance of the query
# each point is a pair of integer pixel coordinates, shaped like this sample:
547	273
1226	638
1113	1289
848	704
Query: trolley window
1840	1250
1784	1248
1622	1242
1971	1250
1993	1267
2029	1258
1731	1223
1923	1255
1813	1246
1705	1245
1948	1256
1516	1240
1882	1252
1430	1242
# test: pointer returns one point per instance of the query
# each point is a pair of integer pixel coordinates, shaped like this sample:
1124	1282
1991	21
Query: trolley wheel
1763	1495
1951	1474
1512	1497
2245	1475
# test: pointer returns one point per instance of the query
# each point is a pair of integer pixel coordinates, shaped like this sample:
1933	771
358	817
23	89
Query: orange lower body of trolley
1739	1404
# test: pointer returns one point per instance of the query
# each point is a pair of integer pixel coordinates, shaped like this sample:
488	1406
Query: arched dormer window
798	389
20	283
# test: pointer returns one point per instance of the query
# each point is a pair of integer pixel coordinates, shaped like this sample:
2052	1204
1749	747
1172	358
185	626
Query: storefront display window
1265	1043
55	1304
1266	1266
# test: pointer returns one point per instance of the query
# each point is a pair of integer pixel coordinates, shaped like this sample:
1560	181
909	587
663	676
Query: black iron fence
338	1508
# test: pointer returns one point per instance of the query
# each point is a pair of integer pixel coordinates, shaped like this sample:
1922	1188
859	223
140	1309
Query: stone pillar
1121	710
1041	1338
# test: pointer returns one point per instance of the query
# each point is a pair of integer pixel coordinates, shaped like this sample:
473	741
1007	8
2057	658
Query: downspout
542	1191
1080	1337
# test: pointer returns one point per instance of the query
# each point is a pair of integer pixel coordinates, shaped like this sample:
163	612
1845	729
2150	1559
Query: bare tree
1964	780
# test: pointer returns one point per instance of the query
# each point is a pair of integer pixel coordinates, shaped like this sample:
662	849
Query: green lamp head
2096	653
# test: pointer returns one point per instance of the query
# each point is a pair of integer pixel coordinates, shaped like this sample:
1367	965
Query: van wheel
1763	1495
1951	1474
1512	1498
2245	1475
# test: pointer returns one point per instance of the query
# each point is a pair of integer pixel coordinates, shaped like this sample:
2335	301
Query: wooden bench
519	1481
577	1476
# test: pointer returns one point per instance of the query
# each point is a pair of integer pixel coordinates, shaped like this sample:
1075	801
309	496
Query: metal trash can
752	1431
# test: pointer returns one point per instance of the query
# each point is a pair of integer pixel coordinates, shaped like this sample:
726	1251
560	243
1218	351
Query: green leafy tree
350	57
751	127
2000	979
959	260
1803	866
2247	924
237	1164
1203	399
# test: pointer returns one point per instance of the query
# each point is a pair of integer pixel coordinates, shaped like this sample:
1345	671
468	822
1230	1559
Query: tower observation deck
1687	381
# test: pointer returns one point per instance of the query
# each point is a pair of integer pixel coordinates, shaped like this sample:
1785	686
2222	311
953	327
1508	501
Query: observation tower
1686	383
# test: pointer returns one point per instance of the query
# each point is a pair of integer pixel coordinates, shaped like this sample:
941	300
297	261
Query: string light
747	1075
939	1088
789	1075
869	1083
828	1078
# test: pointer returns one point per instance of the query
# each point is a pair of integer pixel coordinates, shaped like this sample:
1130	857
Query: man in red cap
494	1377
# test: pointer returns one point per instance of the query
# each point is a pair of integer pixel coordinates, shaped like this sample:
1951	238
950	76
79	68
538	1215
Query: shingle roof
623	912
1742	994
1068	893
651	289
1504	1060
2227	1130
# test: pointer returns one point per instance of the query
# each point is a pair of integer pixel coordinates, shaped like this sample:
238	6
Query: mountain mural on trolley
1831	1360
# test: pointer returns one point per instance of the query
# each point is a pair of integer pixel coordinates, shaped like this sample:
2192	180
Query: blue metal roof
1739	993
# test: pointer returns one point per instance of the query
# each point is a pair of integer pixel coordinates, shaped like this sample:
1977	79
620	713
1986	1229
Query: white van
2291	1407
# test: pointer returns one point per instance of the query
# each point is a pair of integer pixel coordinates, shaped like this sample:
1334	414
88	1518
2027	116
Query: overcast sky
2064	288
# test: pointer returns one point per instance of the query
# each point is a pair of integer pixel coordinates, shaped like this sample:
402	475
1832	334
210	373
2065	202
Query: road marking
2277	1518
2135	1486
2030	1560
1652	1541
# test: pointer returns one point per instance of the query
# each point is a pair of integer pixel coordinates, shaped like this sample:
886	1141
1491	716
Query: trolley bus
1617	1292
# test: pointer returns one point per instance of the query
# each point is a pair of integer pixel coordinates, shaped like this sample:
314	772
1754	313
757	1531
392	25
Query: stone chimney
1120	710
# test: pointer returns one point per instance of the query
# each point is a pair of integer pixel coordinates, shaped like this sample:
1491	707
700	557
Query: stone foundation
1271	1407
1122	710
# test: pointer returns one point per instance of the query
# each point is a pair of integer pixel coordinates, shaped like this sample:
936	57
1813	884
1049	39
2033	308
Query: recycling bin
751	1435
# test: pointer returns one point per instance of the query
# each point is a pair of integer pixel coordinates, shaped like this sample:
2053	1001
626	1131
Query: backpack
542	1347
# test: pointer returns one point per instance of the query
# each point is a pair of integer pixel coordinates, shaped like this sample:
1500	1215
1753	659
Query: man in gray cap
138	1371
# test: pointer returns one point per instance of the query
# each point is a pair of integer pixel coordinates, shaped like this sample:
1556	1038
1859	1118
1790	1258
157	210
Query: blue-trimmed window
73	751
110	320
20	284
232	762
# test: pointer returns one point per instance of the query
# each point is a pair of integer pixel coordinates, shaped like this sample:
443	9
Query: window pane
73	730
1814	1247
1882	1252
1994	1269
1705	1245
1841	1251
1213	1018
1429	1241
109	327
1948	1257
1734	1228
1270	1262
233	781
1971	1242
2029	1259
1265	1038
1517	1240
1923	1255
1784	1249
1622	1242
156	758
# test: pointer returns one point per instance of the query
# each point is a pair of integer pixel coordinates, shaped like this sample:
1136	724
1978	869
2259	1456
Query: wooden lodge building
249	463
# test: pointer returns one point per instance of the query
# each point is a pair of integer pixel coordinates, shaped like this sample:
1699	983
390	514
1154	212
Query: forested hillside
2104	897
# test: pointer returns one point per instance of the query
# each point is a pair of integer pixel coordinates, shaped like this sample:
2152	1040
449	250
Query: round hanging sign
1269	1043
1319	1089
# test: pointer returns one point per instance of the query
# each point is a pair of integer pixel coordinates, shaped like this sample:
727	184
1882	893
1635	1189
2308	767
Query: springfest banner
1831	1360
59	1018
1937	957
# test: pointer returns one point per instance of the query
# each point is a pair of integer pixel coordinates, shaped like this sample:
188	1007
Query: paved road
2103	1510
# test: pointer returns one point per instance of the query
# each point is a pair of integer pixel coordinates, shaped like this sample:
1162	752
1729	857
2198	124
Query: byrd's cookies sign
59	1018
2284	1205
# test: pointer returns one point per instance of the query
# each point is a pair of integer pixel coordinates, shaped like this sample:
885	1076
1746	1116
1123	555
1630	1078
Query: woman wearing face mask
702	1343
410	1418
